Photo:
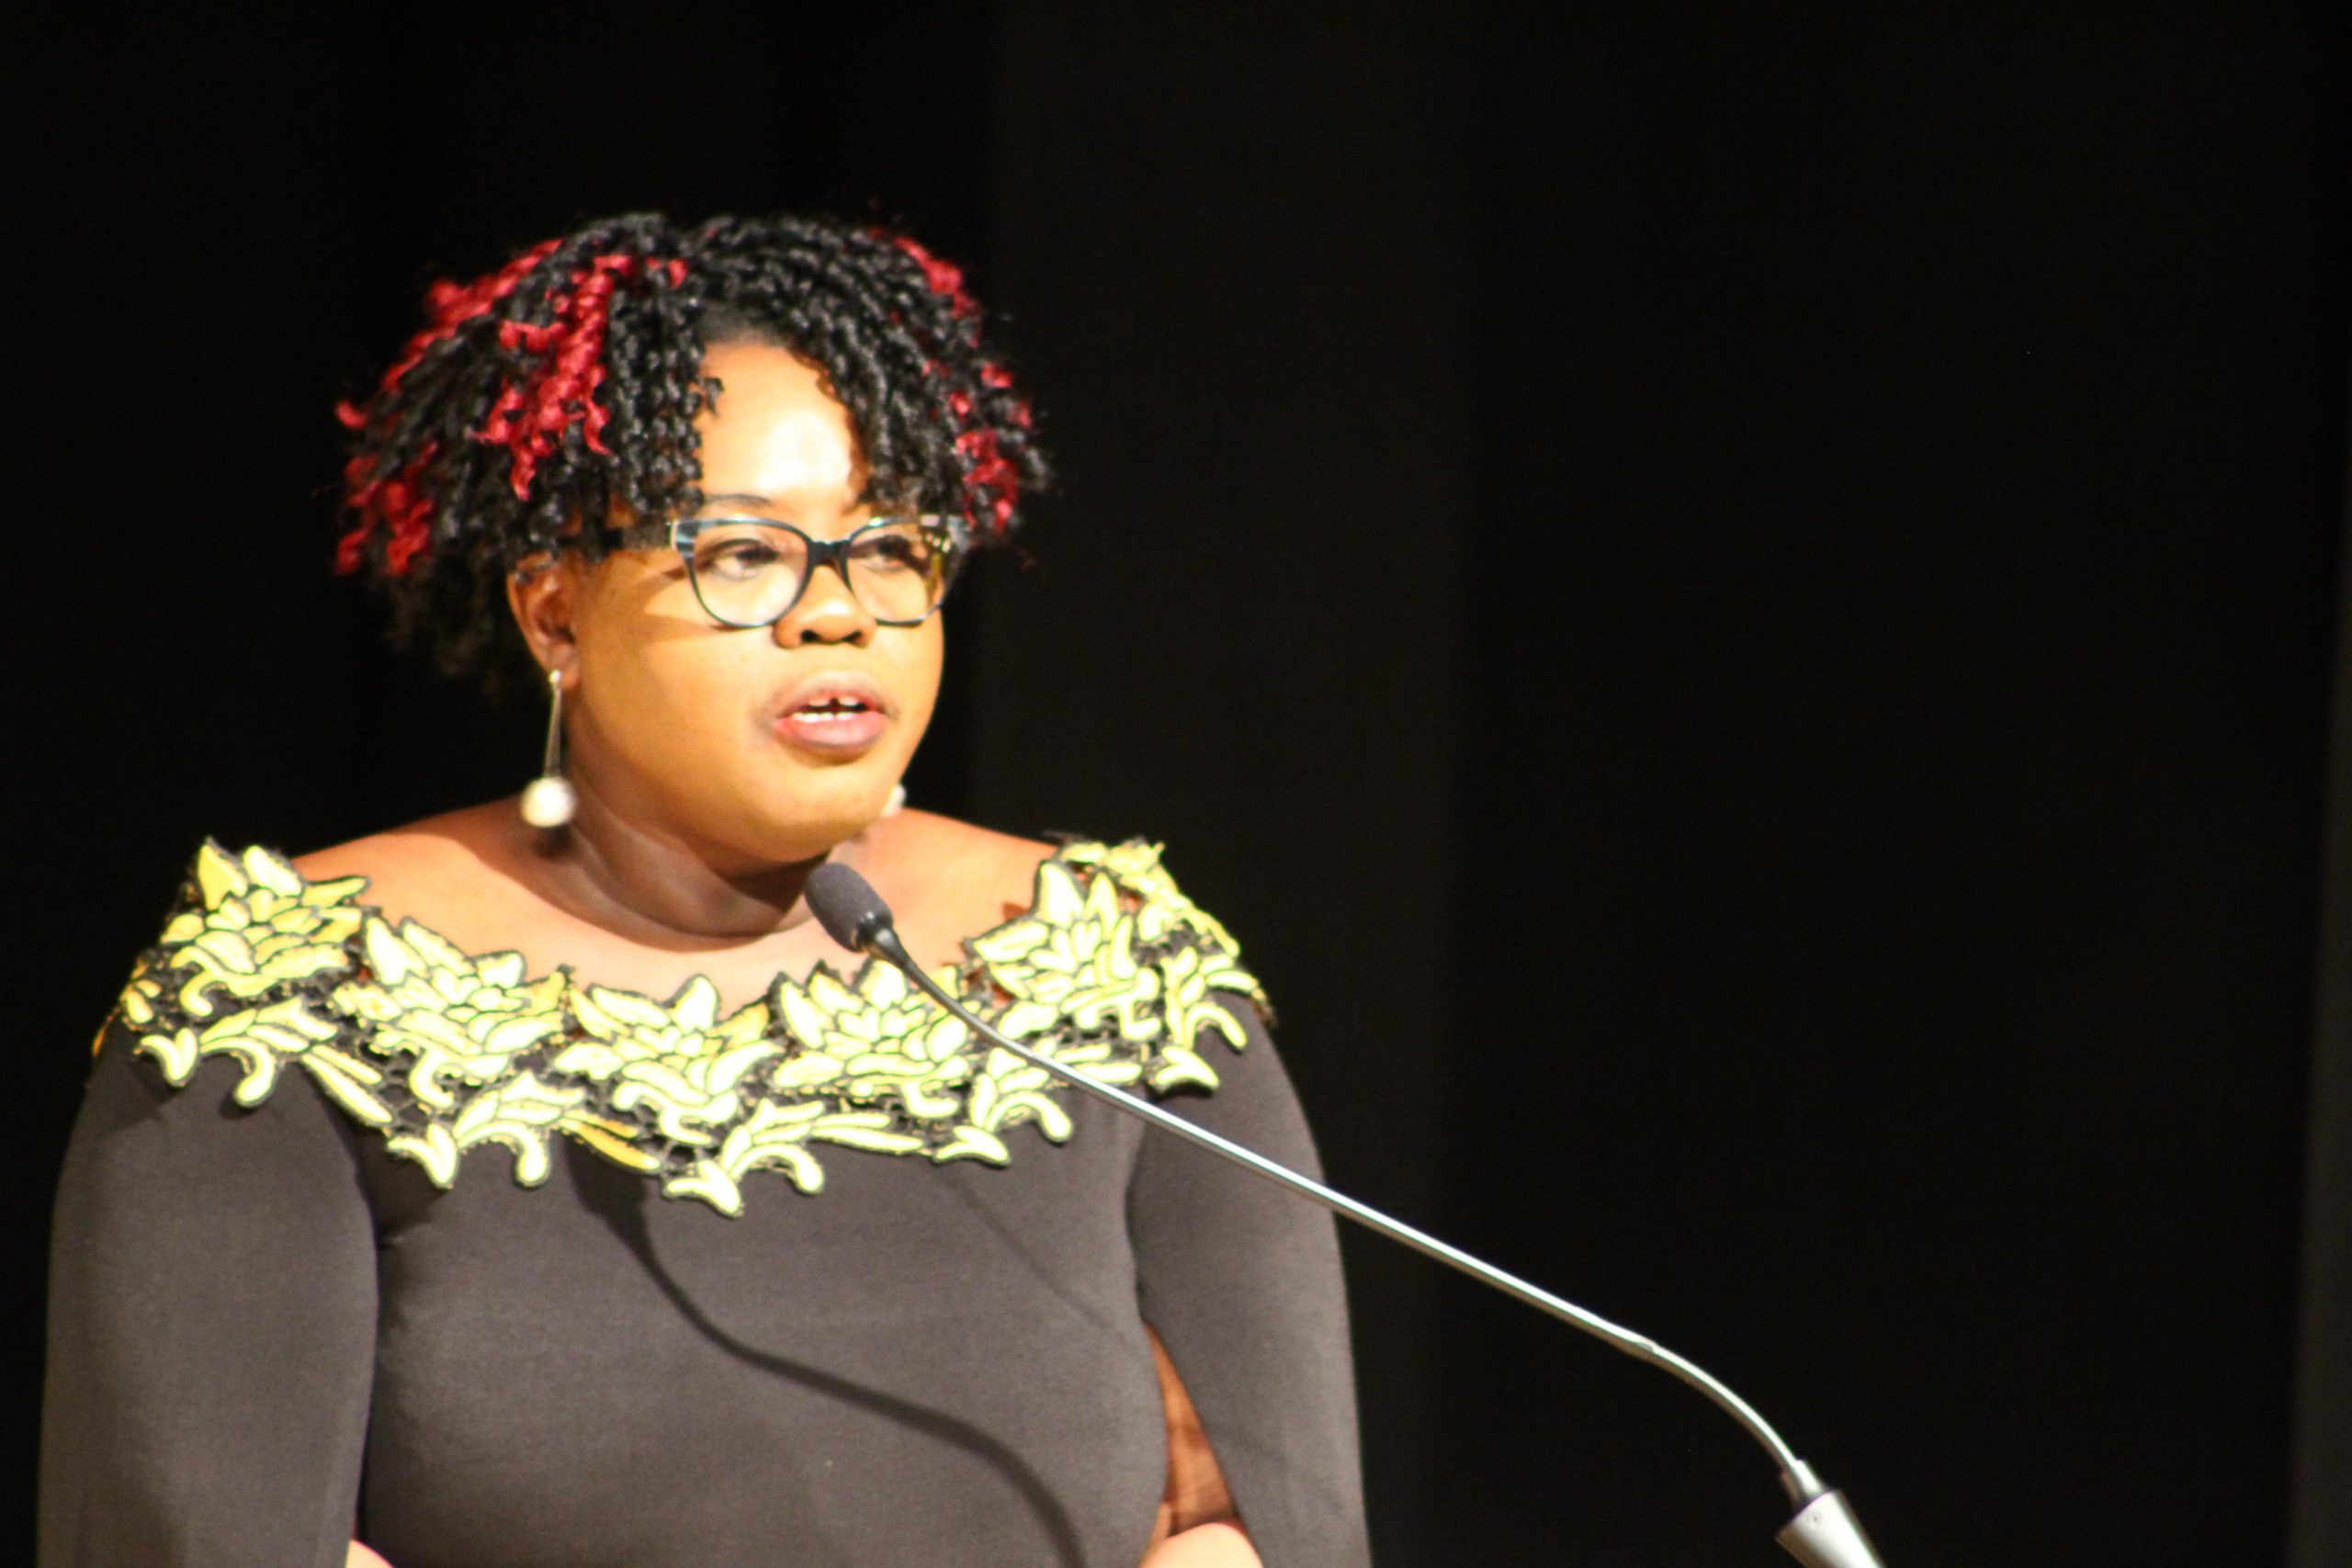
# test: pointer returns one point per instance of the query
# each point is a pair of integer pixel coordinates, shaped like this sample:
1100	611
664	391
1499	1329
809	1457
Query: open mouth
831	710
834	720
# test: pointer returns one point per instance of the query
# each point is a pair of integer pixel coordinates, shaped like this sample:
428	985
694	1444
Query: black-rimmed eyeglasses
751	571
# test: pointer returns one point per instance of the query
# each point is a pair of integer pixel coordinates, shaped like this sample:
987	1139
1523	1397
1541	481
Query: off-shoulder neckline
1070	855
1111	968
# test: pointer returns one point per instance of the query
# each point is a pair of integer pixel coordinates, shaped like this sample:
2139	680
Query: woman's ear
544	591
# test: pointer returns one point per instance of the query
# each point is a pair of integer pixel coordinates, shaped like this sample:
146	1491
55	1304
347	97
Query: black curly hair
564	386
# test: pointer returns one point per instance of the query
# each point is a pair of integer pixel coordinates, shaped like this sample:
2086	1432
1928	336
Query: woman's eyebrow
750	500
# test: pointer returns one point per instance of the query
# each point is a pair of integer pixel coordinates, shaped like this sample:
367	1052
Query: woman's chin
808	825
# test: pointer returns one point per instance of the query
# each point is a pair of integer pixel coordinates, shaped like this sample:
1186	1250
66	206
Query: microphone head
846	906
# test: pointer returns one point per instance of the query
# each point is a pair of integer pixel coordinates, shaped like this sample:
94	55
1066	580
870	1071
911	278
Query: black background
1735	603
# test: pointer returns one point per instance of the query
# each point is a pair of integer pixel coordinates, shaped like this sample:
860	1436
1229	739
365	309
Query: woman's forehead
775	431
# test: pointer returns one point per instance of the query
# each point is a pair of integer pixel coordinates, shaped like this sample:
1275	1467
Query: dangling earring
550	800
898	801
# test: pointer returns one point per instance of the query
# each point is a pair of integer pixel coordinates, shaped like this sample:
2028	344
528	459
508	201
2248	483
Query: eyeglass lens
749	574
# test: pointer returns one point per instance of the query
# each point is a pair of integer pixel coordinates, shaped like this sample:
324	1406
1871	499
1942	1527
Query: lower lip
832	731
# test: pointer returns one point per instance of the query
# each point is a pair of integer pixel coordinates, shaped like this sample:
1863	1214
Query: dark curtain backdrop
1736	604
2320	1530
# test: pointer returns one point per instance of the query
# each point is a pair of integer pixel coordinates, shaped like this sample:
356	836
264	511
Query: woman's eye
894	553
741	557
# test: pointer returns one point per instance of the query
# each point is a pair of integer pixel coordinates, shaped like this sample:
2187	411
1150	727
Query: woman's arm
212	1326
1205	1546
1196	1492
1241	1281
1196	1527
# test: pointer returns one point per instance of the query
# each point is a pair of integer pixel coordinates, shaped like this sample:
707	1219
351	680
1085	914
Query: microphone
1824	1534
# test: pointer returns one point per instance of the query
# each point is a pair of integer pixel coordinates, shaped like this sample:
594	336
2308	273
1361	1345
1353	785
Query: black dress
278	1306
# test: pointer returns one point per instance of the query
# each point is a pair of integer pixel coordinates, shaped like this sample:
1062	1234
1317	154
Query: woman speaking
537	1185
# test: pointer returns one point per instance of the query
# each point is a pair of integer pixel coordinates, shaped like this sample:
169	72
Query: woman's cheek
686	719
922	656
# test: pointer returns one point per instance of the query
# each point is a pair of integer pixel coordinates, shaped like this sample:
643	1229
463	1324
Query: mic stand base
1825	1534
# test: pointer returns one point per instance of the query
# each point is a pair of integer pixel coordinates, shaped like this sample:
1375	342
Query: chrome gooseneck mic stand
1824	1534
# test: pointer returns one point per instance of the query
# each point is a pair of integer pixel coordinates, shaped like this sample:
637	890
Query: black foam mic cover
846	906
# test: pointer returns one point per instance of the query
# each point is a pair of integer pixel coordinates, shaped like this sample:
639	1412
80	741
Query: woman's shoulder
421	863
987	887
466	876
949	880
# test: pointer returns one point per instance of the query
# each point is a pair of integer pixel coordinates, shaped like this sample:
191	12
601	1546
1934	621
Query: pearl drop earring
550	800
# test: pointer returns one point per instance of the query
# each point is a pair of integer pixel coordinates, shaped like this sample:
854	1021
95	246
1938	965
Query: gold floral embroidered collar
1112	970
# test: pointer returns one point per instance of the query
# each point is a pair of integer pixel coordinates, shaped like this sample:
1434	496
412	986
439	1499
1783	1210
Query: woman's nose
828	612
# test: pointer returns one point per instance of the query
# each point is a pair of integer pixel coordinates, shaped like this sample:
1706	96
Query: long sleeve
211	1330
1242	1280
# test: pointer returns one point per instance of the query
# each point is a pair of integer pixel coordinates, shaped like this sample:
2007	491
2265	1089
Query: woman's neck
623	870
